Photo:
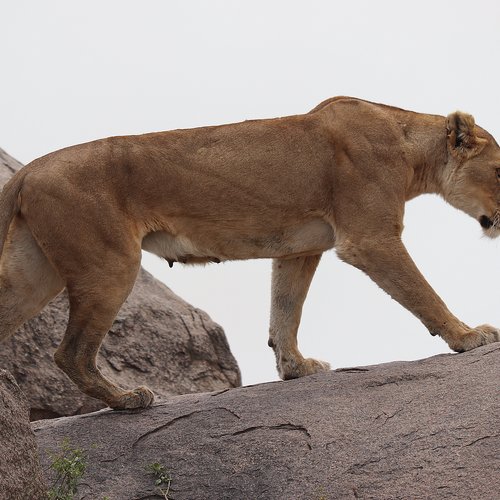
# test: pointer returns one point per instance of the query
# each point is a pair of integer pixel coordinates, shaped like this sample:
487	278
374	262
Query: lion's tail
9	204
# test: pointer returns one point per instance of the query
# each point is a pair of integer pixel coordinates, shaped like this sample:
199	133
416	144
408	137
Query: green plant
69	465
162	478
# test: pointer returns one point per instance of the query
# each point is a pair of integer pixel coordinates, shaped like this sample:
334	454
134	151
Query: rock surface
157	340
422	429
21	476
8	166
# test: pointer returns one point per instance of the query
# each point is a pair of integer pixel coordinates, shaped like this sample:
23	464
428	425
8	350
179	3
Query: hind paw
140	397
295	369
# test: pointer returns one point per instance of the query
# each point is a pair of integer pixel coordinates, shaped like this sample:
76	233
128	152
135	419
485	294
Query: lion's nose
485	222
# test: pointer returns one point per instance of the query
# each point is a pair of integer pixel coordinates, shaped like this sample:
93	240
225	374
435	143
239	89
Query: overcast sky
72	71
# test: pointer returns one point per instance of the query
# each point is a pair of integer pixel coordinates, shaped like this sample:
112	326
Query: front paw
481	335
300	368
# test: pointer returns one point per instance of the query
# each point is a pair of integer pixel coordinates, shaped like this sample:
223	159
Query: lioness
286	188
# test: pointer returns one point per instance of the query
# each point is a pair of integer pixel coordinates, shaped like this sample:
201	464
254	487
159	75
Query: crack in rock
352	370
176	419
407	377
288	427
481	439
279	427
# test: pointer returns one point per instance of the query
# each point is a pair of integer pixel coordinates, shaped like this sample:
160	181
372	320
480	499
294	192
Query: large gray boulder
157	340
21	476
8	166
422	429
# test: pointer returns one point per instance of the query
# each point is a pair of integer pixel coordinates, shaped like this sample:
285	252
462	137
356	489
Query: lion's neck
428	156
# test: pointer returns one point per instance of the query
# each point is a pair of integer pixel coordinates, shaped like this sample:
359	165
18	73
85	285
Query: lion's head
472	172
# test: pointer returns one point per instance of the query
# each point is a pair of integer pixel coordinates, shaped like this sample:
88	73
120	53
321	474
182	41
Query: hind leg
290	283
28	281
95	299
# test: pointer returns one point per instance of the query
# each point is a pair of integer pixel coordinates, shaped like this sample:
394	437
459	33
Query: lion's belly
312	237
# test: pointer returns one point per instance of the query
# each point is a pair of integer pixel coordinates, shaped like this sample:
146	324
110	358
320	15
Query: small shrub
69	465
162	478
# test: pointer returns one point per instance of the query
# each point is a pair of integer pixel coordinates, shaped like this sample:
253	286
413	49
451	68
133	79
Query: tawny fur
288	189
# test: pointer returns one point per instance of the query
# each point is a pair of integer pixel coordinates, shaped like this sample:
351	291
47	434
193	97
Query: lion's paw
481	335
140	397
309	366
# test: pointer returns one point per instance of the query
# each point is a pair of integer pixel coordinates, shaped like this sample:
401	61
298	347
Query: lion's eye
498	174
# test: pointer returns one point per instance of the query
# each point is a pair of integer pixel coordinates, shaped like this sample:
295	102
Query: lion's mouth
485	222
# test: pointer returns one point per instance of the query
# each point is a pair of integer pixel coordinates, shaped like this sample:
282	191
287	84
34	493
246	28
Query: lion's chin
492	233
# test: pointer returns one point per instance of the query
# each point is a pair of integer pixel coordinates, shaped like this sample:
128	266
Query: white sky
73	71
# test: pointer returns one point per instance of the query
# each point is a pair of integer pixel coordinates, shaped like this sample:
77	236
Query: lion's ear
462	140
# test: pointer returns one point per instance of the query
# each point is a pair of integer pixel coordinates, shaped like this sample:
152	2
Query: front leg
388	263
290	282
